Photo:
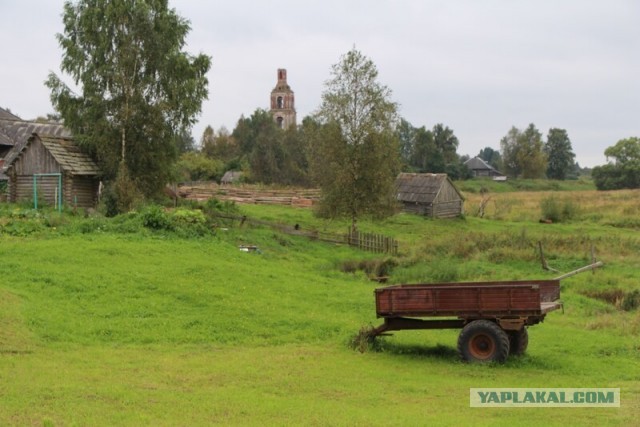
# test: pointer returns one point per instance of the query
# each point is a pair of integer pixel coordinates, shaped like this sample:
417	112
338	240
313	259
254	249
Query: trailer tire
483	341
518	341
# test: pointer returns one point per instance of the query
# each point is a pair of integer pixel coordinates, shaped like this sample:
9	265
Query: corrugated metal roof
419	187
6	115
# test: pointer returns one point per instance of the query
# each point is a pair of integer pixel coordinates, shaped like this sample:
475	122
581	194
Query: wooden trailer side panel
484	299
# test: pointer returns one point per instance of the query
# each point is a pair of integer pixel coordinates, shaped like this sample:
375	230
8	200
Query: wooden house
51	168
480	168
429	194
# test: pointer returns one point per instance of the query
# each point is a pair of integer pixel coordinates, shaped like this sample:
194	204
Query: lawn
149	328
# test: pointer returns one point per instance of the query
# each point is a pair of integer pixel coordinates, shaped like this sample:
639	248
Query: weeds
622	300
373	267
365	341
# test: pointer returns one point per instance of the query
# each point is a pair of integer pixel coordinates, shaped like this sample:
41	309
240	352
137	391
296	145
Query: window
280	102
280	122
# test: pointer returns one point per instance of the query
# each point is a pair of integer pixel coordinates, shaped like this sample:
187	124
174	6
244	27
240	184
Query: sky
479	67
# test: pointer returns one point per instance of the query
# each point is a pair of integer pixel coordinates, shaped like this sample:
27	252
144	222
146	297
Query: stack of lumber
246	194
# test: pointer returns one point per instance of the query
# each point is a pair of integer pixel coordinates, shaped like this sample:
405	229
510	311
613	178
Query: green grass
487	184
123	327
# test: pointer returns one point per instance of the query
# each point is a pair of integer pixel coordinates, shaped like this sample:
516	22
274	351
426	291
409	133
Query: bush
22	227
194	166
190	223
213	206
127	194
557	211
155	218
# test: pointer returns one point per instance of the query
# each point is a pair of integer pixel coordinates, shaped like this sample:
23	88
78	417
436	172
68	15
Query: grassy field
120	325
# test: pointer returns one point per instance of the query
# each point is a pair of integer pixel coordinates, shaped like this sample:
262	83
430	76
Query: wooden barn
429	194
52	169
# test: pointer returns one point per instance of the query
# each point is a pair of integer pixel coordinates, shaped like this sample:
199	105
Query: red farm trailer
493	316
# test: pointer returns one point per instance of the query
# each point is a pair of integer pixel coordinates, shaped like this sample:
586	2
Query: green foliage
511	185
355	151
183	222
631	301
522	153
559	153
275	156
184	142
558	211
155	218
492	157
220	146
194	166
626	151
214	206
374	268
624	172
619	298
446	142
126	192
430	151
139	92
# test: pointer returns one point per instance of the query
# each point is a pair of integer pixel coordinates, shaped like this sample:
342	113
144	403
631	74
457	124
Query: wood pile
245	194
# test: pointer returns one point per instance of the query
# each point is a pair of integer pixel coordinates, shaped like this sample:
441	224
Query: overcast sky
477	66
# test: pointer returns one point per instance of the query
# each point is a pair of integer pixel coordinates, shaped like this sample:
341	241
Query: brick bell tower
282	102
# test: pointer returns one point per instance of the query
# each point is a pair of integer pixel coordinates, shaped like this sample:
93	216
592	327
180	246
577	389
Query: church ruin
282	102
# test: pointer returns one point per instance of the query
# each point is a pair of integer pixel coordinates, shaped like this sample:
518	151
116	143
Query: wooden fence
364	241
372	242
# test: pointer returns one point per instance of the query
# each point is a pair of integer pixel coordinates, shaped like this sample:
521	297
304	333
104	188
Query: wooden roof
64	151
16	134
421	187
69	155
478	164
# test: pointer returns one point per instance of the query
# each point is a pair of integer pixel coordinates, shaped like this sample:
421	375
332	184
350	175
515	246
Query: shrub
125	190
155	218
190	223
214	205
21	228
557	211
194	166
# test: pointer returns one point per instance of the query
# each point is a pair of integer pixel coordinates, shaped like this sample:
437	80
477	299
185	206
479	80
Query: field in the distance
104	328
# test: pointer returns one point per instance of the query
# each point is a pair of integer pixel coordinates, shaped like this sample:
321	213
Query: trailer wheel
483	341
518	341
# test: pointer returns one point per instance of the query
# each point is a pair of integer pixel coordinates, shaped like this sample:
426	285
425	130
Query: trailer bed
529	298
